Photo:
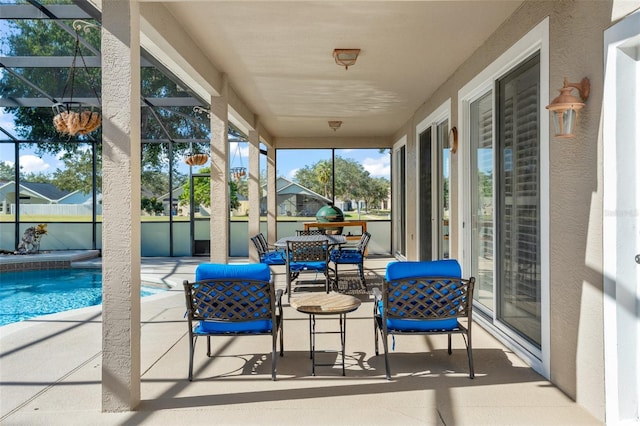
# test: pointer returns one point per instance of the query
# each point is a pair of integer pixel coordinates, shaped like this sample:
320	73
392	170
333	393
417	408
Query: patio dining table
332	240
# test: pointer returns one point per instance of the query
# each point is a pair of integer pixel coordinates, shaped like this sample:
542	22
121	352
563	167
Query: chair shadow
365	375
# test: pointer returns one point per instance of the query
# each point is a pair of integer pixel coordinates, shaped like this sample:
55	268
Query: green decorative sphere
330	213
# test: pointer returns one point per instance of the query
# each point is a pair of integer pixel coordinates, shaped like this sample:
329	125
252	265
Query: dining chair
424	298
269	256
306	256
351	256
233	300
263	240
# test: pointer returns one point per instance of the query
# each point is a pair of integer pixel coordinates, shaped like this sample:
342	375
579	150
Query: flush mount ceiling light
335	125
346	57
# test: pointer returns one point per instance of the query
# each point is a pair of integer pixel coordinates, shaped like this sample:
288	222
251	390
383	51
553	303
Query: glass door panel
399	200
425	212
444	167
519	188
482	200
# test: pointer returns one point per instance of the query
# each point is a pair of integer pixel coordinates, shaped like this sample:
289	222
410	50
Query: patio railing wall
155	236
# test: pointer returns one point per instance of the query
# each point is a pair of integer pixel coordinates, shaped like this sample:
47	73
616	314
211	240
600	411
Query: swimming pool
29	294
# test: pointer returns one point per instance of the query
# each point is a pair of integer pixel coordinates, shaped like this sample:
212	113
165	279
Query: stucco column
254	190
120	205
219	231
272	196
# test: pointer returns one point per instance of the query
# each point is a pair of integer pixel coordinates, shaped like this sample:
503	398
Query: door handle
638	259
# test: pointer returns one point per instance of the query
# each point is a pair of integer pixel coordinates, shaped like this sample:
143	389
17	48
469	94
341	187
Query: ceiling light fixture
335	125
346	57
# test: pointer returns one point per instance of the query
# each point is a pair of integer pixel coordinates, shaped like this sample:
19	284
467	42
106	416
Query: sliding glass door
505	201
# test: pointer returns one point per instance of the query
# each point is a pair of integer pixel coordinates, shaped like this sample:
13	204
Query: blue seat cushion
307	266
346	256
434	268
273	258
419	325
251	271
258	326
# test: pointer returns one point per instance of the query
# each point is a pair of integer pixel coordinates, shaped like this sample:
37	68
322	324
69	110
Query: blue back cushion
435	268
253	271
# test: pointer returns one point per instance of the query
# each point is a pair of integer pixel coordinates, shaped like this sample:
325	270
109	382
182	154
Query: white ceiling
278	57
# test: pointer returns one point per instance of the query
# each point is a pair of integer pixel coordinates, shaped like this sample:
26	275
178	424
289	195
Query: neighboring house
294	199
176	208
32	193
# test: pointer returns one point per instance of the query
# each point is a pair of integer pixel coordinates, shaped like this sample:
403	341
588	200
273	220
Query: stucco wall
575	269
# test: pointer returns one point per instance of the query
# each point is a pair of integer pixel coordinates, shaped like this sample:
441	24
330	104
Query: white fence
56	209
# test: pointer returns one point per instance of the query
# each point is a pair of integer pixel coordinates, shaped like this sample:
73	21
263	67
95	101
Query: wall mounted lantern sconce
564	109
335	125
452	140
346	57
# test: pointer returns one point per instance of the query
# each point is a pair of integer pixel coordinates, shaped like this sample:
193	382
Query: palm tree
323	174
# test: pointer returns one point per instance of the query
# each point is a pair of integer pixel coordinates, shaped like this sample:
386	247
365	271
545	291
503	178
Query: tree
7	172
151	205
376	192
323	174
77	173
43	37
35	177
202	191
352	181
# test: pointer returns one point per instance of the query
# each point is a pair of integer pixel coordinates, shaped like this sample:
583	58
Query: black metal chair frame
260	243
360	248
311	232
425	298
233	301
263	240
302	252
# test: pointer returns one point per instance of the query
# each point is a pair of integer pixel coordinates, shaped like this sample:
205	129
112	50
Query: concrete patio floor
51	371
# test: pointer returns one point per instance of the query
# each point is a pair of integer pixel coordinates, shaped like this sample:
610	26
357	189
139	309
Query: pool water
29	294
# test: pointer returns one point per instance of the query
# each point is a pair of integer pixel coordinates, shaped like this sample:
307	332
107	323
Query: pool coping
61	259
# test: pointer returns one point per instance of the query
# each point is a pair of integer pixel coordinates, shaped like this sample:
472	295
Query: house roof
43	190
284	186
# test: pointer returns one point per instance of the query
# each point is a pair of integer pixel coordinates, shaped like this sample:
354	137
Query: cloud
292	173
378	167
33	164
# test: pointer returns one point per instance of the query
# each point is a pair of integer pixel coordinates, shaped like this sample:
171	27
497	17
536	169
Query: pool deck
51	373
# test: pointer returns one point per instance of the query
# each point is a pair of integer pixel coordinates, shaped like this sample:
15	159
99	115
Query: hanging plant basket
197	159
238	173
73	118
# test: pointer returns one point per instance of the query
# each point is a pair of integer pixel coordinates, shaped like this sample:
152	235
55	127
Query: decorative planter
196	159
72	119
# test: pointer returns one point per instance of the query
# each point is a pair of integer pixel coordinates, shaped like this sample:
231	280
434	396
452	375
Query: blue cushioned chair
352	256
424	298
307	256
238	300
267	255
